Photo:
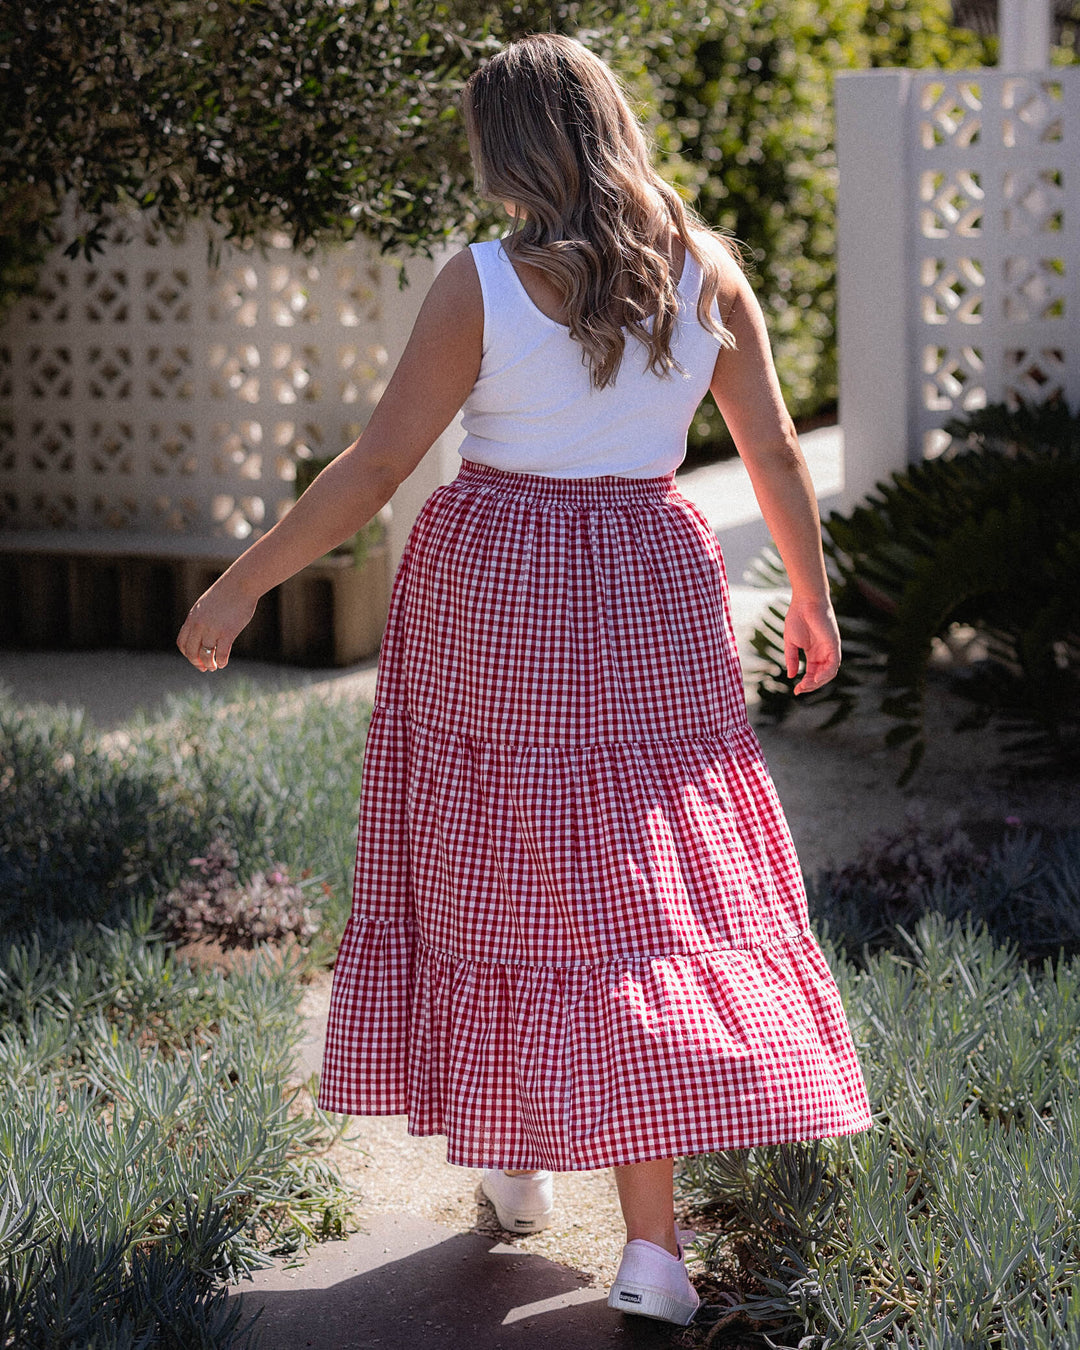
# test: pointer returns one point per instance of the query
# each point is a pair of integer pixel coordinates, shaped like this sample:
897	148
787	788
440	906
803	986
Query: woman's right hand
213	623
810	626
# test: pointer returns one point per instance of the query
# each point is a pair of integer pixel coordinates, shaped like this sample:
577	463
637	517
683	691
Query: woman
579	936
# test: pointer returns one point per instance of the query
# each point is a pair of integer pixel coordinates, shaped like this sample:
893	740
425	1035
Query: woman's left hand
811	626
213	622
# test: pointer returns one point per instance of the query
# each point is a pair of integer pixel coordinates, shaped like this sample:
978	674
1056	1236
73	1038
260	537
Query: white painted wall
872	274
152	402
958	253
1024	32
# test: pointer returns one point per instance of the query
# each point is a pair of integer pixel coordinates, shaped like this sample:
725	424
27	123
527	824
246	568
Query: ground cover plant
954	1222
150	1145
1023	886
213	903
90	822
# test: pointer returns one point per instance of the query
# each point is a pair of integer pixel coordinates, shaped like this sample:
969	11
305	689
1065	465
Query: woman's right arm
432	380
747	392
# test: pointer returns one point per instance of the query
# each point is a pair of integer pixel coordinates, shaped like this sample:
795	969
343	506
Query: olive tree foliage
329	118
325	118
322	117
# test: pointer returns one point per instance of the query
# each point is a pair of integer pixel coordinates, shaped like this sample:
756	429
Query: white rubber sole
643	1301
515	1221
521	1223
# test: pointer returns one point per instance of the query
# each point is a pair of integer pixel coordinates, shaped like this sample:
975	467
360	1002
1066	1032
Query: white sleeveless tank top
533	408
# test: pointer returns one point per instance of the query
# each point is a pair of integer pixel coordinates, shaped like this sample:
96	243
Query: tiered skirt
579	932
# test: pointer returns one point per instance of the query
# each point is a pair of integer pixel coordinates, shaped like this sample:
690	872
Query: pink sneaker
653	1283
522	1204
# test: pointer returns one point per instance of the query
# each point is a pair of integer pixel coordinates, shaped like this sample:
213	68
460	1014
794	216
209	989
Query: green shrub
954	1221
148	1145
987	538
87	826
291	114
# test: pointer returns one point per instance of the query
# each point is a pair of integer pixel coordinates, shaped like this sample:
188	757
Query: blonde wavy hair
550	130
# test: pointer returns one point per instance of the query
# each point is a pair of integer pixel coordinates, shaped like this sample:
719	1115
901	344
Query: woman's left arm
432	380
747	392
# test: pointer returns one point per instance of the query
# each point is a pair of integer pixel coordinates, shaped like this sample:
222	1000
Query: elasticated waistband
607	488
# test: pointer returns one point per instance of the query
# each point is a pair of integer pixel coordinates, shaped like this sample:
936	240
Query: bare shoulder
719	248
455	295
732	277
459	270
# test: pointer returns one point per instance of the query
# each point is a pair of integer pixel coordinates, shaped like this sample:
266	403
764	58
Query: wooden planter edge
332	613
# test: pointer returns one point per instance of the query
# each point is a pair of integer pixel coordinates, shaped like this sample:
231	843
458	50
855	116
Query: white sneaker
653	1283
522	1204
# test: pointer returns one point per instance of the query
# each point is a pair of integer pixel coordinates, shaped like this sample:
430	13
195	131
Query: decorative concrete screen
959	253
153	401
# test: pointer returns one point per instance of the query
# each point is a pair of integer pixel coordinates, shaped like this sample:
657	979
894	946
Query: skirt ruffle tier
579	934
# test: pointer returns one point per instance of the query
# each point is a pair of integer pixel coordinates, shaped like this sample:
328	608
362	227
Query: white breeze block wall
958	253
152	400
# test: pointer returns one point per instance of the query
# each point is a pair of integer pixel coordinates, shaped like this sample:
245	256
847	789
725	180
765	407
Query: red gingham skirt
579	933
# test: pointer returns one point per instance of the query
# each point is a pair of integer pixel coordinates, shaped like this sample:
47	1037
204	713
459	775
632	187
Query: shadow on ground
408	1284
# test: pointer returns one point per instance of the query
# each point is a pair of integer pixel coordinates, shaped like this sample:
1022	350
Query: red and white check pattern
579	933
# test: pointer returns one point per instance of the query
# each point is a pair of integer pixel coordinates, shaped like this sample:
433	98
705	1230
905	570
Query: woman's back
534	407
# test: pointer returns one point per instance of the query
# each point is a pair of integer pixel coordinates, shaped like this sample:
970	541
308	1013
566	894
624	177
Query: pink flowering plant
214	903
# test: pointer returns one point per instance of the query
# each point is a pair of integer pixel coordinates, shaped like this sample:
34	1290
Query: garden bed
154	1145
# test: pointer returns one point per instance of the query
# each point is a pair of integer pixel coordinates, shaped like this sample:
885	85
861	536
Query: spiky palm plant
987	536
